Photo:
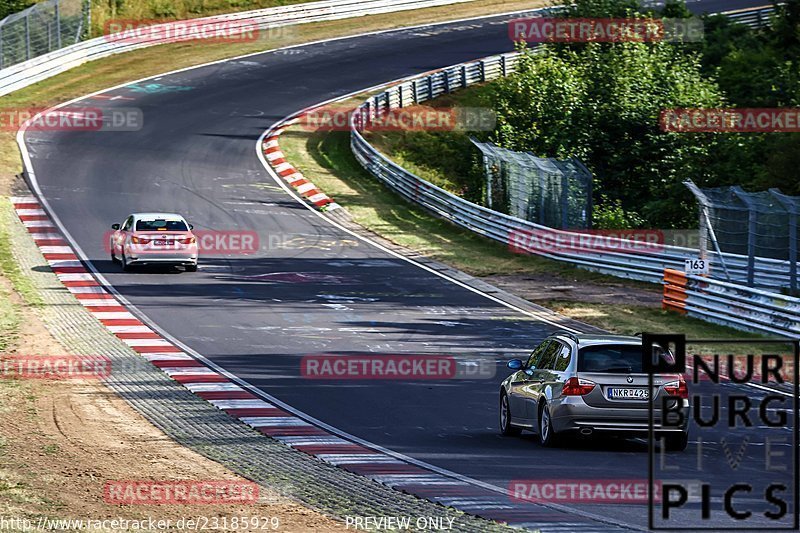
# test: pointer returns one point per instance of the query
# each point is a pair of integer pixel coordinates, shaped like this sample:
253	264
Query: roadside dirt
541	288
61	441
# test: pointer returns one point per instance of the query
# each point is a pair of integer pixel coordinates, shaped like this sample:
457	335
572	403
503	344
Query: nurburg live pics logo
741	469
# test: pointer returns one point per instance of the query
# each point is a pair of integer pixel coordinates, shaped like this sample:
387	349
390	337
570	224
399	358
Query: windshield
610	358
161	225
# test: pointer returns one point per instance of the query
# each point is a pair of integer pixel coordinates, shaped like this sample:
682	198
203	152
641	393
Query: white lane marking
168	356
64	263
213	387
125	329
358	459
274	421
76	277
105	315
188	371
103	302
87	290
292	440
241	404
147	342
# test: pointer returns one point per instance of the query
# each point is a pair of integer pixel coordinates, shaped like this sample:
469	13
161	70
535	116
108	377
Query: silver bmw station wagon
590	384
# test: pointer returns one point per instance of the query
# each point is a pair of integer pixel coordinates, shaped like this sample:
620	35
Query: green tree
9	7
602	104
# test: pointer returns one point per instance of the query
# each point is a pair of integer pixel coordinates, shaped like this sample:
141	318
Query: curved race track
196	155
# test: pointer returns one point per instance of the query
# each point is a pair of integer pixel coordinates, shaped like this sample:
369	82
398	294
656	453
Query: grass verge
326	159
8	266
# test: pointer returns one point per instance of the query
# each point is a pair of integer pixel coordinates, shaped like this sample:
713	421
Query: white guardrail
609	255
48	65
732	305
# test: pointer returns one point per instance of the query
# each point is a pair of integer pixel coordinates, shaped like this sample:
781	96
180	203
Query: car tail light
677	388
188	240
577	387
139	240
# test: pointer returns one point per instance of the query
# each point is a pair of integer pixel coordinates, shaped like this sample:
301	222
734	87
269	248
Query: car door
543	377
120	235
523	387
562	371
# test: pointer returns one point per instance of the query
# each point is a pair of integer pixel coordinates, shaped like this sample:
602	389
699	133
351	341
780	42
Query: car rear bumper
576	416
161	258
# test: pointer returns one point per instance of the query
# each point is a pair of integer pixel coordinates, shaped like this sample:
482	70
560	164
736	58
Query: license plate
162	243
615	393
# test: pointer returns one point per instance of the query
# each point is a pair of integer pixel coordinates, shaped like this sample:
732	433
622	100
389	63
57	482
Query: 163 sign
740	470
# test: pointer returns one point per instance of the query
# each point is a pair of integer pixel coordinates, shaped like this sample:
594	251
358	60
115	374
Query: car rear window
610	358
161	225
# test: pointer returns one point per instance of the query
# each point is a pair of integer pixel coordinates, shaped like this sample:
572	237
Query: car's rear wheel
125	266
676	442
505	419
191	268
547	436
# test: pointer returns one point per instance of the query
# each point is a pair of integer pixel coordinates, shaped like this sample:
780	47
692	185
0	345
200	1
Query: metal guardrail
611	257
47	65
757	17
42	28
732	305
714	300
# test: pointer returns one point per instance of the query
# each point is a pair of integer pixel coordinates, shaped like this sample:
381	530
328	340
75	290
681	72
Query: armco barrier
644	265
45	66
731	305
724	302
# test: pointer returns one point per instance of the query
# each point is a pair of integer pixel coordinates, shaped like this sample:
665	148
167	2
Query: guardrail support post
483	71
58	23
27	38
790	206
446	80
752	228
400	96
430	87
464	76
503	66
414	91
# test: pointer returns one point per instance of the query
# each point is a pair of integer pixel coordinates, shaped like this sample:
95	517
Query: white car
154	238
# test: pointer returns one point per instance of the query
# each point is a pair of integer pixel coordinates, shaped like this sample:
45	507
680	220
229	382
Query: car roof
167	216
593	339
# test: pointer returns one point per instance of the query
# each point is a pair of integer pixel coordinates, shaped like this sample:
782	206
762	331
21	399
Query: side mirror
114	226
191	226
515	364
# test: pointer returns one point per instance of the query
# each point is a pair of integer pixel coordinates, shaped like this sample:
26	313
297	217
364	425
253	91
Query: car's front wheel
547	436
505	419
191	268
